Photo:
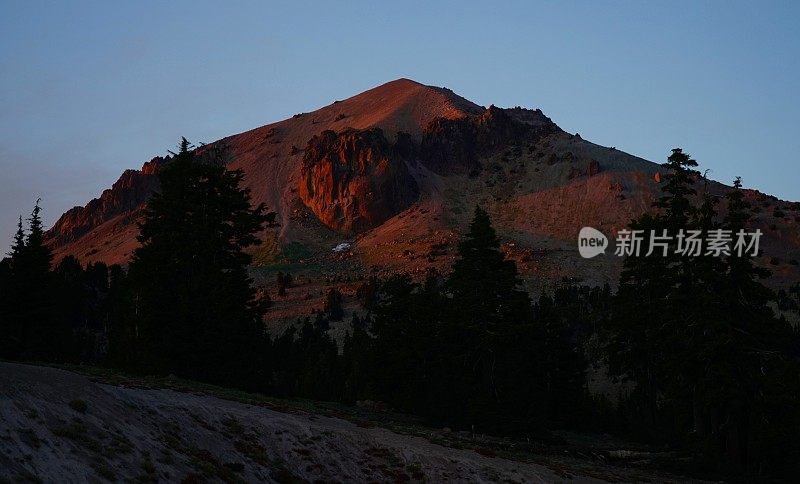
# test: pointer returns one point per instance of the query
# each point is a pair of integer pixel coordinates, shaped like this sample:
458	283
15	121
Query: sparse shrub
148	467
104	470
78	433
234	466
79	405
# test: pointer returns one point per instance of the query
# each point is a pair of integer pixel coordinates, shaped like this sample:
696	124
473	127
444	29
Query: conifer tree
19	240
752	382
406	316
653	312
306	362
10	330
696	334
359	365
563	362
676	203
194	307
482	369
33	329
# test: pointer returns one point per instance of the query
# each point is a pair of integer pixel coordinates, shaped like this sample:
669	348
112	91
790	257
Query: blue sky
88	89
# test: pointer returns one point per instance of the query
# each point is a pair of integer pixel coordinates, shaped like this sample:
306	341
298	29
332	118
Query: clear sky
88	89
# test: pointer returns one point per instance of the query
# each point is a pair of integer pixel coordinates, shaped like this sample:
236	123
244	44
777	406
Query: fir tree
194	307
653	308
19	240
697	336
676	203
404	326
33	329
489	345
752	382
10	329
563	362
359	365
306	362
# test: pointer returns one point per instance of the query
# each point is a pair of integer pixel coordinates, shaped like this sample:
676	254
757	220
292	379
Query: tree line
710	370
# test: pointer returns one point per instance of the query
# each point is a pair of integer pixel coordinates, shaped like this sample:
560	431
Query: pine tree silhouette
19	240
480	369
194	308
33	329
711	364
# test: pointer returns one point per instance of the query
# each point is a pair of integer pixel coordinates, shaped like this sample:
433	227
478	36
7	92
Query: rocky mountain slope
396	171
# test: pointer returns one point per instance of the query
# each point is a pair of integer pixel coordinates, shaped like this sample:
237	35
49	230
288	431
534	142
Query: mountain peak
404	105
403	81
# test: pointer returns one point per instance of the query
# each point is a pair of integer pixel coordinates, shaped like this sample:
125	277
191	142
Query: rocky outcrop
127	195
449	146
453	146
355	180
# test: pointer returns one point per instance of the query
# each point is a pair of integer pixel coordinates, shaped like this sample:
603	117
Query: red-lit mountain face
396	172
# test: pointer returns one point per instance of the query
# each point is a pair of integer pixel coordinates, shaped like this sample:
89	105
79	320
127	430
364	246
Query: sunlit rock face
126	196
355	180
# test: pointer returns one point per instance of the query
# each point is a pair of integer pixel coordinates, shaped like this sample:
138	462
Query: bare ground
60	426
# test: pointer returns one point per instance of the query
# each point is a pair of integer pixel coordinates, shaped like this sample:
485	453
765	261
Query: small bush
78	405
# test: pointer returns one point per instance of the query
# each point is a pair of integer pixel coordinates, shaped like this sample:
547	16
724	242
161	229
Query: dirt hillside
59	426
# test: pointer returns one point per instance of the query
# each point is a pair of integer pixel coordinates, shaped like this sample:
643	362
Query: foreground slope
59	426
